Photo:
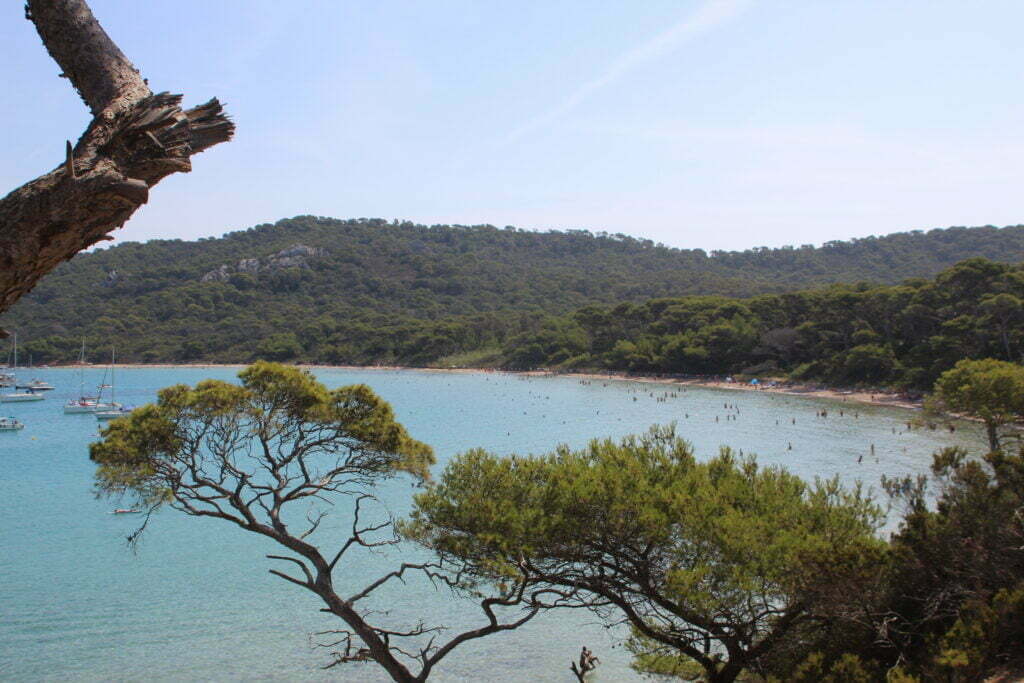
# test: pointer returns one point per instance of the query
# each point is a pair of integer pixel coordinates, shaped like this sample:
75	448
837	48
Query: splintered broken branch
135	140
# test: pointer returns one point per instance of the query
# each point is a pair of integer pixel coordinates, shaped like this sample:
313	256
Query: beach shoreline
785	387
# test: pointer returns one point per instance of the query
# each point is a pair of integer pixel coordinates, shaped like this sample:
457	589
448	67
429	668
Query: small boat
87	404
36	385
118	410
20	397
124	511
9	424
113	414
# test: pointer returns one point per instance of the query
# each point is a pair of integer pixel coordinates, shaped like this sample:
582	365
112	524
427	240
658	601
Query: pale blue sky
719	124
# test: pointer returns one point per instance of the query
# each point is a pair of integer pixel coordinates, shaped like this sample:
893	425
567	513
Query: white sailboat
116	410
36	384
20	396
86	404
7	378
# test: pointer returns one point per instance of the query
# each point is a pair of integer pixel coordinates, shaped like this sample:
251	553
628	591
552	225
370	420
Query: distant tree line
382	292
903	335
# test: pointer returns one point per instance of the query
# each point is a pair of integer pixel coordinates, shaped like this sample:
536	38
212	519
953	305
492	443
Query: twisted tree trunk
135	139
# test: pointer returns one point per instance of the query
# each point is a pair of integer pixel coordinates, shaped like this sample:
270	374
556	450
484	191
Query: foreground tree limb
135	140
275	457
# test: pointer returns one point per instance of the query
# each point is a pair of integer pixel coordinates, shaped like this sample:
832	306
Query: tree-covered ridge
371	291
889	335
906	334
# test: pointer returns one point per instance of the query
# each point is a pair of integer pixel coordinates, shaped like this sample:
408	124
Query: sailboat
86	404
116	410
7	378
19	396
36	384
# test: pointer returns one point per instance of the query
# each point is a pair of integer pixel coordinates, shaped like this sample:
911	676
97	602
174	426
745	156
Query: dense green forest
369	291
901	335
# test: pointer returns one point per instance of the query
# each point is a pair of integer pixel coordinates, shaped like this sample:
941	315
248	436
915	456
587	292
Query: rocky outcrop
295	256
218	274
249	265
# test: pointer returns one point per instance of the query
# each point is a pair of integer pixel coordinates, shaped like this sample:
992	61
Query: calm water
195	601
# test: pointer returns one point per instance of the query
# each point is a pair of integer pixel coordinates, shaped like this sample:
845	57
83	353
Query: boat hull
20	398
110	414
87	409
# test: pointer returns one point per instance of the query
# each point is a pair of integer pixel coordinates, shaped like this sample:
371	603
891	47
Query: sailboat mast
81	371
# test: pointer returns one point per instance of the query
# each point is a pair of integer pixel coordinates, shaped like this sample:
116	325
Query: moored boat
117	410
9	424
87	404
21	397
35	385
111	414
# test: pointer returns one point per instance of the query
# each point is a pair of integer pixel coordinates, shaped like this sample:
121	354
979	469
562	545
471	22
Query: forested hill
308	278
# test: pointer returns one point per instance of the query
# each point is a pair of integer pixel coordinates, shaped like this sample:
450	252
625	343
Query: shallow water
195	601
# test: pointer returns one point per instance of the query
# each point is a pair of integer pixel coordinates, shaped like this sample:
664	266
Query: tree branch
302	565
98	70
135	139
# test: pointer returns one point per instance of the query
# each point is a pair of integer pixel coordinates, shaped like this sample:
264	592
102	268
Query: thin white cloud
708	16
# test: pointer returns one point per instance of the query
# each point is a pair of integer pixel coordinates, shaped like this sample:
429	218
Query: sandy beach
777	386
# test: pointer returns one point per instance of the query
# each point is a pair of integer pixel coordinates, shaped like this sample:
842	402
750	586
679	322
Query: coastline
877	398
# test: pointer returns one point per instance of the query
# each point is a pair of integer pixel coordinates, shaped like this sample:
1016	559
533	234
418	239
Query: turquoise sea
194	602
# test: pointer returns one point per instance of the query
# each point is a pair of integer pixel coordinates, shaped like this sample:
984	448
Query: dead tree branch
135	140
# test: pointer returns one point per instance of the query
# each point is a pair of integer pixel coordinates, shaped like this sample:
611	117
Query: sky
714	124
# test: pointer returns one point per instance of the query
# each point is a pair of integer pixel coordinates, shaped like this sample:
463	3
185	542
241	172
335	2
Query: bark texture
135	139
